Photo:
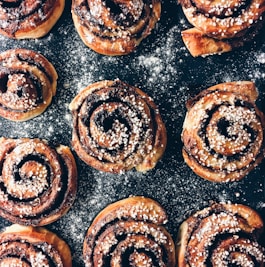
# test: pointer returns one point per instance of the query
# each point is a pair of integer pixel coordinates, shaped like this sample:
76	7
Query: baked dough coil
117	127
220	26
24	19
115	27
27	84
223	132
129	232
221	235
38	182
28	246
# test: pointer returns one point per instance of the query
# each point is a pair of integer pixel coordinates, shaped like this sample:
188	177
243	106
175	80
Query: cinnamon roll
27	84
115	27
117	127
223	132
23	19
220	26
29	246
129	232
221	235
37	182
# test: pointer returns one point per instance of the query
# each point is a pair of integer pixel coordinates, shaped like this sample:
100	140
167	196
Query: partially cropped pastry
23	19
129	232
221	235
117	127
38	182
115	27
27	84
31	247
220	26
224	132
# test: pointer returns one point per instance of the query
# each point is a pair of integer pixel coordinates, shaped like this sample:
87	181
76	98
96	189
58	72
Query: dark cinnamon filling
218	237
223	125
105	120
229	262
120	235
34	63
3	81
22	90
62	198
122	20
11	3
23	256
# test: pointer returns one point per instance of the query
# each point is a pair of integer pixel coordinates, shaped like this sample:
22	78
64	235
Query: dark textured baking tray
163	68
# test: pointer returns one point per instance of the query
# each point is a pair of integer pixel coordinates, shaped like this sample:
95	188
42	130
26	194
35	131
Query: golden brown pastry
114	27
28	246
27	84
129	232
38	182
220	26
117	127
221	235
223	132
23	19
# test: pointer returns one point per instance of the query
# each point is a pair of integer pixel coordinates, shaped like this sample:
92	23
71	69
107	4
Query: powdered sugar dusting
261	58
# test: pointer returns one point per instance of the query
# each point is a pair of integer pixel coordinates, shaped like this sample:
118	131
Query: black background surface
164	69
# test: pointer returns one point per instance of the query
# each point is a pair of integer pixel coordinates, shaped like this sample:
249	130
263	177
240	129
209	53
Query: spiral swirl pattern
221	235
38	182
223	133
21	19
129	233
220	26
27	246
117	127
115	27
27	84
